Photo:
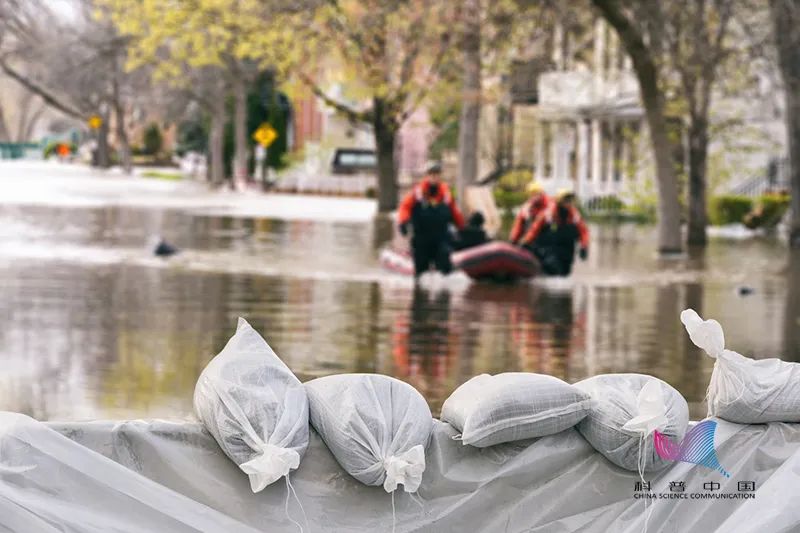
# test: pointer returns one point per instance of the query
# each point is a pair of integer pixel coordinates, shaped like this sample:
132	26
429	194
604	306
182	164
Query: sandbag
255	407
513	406
627	409
741	389
375	426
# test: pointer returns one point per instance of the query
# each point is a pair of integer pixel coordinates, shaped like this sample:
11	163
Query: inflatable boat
497	261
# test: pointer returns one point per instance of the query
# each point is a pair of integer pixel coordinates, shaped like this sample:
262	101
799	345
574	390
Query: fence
20	151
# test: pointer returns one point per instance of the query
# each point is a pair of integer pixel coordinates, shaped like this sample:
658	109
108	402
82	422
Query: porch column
625	164
539	149
582	153
556	149
610	156
597	156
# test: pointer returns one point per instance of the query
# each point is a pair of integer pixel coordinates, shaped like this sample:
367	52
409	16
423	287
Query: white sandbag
512	406
627	409
745	390
375	426
255	408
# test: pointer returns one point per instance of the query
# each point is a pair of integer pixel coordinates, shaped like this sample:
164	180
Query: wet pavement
95	327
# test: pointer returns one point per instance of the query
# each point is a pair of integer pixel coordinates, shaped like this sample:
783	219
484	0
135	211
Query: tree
72	63
468	131
696	34
785	15
391	54
192	45
219	43
645	56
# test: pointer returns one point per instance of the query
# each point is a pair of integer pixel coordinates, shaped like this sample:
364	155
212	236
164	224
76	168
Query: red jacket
420	193
527	214
550	216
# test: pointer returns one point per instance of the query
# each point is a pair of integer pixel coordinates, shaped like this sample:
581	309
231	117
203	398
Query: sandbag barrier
378	428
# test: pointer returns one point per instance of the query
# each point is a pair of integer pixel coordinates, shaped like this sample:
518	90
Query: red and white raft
497	260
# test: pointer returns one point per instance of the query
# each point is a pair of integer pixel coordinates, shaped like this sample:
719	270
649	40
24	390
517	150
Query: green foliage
508	200
509	192
50	149
515	180
169	176
192	135
774	206
769	211
152	139
612	209
445	117
729	209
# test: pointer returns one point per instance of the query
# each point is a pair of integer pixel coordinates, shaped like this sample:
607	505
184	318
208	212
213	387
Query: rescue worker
429	210
537	203
473	234
554	233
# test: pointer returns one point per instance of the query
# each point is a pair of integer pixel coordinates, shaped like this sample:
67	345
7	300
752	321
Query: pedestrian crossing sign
265	135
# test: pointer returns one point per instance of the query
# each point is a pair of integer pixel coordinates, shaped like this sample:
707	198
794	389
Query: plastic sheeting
166	476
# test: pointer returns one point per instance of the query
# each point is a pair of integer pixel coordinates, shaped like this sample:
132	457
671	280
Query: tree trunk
240	130
4	136
216	142
669	208
122	138
470	101
791	314
698	153
385	130
124	151
786	25
669	220
102	157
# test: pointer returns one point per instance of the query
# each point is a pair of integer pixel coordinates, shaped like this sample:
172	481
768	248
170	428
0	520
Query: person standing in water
537	203
429	210
555	232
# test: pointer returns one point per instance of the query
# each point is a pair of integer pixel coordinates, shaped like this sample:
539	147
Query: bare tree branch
51	99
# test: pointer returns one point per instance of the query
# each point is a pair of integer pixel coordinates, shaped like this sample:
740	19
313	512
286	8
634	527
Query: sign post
265	135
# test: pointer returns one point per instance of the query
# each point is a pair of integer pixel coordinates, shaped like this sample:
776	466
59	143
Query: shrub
775	206
609	203
729	209
768	212
50	149
508	200
515	180
152	139
509	192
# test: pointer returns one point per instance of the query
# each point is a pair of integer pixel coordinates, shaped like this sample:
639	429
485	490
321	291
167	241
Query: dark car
354	161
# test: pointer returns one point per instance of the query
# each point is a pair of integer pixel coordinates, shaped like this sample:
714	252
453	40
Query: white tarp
168	476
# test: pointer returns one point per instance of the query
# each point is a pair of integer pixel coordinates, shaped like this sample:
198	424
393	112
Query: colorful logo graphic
697	447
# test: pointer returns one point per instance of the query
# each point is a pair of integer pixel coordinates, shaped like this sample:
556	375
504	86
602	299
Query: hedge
729	209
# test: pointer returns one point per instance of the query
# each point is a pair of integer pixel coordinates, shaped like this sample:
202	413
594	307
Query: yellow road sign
95	122
265	135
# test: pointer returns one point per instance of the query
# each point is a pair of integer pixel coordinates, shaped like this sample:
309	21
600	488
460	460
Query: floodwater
94	327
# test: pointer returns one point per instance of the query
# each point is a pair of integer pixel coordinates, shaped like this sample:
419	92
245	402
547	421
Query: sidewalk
74	185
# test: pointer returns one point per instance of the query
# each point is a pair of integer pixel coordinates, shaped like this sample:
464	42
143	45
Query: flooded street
93	326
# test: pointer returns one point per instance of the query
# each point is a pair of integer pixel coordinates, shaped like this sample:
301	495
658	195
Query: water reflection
127	335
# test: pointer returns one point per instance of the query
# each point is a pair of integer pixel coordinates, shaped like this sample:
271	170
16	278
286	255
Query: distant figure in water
161	248
554	234
473	233
537	203
429	210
